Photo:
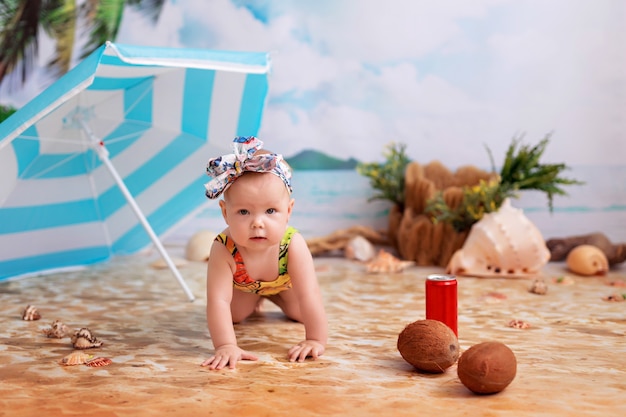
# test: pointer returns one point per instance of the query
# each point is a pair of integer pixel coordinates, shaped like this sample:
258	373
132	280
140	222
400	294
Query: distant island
314	160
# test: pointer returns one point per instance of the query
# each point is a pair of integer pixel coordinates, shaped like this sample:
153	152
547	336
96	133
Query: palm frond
18	38
59	21
149	8
103	20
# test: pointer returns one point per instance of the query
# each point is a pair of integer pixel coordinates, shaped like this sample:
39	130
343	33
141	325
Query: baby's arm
218	312
304	280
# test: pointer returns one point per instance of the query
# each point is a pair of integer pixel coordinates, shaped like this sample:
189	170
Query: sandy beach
571	360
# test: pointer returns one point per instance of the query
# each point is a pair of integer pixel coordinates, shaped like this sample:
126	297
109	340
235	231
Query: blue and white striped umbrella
127	125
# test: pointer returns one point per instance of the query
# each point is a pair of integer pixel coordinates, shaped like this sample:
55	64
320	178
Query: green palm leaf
58	18
19	20
103	19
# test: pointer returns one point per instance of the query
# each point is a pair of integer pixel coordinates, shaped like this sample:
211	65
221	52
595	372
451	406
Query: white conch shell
360	249
502	244
199	246
587	260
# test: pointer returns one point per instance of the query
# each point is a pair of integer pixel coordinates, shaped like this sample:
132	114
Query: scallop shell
84	339
98	362
77	357
587	260
31	313
385	262
57	330
502	244
360	249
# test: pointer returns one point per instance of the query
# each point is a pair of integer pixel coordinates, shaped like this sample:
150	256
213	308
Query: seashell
385	262
199	246
98	362
360	249
518	324
565	280
57	330
77	357
84	339
161	264
31	313
615	297
503	243
494	297
587	260
538	287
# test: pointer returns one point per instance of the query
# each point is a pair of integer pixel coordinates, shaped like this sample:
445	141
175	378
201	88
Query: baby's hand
228	355
307	348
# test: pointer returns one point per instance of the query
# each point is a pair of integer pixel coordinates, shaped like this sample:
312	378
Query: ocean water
326	201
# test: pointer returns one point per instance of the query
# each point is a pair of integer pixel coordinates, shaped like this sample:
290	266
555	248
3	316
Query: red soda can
441	299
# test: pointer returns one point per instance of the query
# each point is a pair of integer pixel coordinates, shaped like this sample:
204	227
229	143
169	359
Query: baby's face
257	207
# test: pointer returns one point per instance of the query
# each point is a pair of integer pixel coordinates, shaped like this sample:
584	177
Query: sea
330	200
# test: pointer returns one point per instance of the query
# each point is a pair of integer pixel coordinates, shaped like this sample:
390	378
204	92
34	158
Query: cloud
445	77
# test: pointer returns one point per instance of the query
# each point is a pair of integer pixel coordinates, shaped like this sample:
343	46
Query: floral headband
224	170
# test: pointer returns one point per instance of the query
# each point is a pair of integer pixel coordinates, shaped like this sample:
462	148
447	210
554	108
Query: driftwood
561	247
340	238
411	231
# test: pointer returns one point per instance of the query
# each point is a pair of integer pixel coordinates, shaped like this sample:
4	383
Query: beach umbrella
113	154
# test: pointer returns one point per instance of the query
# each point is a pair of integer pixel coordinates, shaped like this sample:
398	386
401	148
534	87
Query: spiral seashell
77	357
31	313
84	339
538	286
518	324
98	362
57	330
587	260
502	244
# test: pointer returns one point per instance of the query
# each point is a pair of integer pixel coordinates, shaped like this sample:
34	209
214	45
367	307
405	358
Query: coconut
429	345
487	368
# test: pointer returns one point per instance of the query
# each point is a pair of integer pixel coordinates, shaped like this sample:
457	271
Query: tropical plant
521	170
64	21
388	177
478	200
5	112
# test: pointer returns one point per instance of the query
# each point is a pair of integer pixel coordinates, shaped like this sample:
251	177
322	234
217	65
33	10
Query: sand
571	360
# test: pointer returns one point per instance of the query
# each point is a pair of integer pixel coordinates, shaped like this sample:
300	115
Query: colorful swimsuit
241	279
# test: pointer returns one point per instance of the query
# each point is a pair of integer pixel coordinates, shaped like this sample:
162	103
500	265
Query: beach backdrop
328	200
447	78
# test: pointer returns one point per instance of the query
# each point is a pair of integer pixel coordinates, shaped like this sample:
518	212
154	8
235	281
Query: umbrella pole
103	154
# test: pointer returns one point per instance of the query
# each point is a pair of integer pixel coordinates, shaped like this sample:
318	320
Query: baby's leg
288	303
243	304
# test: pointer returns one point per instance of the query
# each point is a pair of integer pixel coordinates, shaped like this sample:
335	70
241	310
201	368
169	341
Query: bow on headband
224	170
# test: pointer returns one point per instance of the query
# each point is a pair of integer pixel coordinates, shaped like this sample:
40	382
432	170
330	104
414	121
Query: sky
446	78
